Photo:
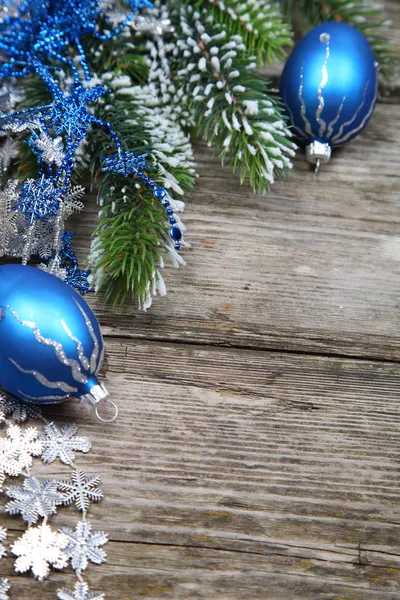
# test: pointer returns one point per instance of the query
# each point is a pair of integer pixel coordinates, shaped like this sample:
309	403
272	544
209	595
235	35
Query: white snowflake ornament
3	535
81	489
4	587
61	443
18	409
38	549
80	592
33	499
84	546
18	448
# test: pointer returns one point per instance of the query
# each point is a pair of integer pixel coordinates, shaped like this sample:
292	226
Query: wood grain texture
257	452
238	474
312	267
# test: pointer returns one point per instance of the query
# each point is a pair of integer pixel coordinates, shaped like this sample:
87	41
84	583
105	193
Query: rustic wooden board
231	472
314	266
257	452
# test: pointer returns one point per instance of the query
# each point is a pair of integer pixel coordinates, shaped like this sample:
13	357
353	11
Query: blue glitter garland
41	37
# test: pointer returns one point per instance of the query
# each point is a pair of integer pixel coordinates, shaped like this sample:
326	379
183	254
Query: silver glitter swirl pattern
336	119
336	138
60	385
303	110
81	353
323	83
96	348
48	399
364	121
58	348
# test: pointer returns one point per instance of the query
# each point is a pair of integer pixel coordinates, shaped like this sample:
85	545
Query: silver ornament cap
318	153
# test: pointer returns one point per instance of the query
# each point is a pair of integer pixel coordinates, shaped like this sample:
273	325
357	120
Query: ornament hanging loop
95	399
111	419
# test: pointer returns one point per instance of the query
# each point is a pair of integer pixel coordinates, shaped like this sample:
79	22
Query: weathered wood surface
257	452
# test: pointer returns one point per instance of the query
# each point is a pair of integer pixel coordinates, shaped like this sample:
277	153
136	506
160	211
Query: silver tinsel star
4	587
61	443
84	546
39	548
10	96
33	499
50	149
80	592
8	151
3	535
8	217
18	409
17	450
81	489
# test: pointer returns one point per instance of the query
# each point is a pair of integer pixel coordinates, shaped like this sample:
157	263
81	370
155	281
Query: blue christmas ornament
329	87
51	347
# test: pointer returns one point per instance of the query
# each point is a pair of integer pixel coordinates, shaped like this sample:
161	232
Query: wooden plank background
257	452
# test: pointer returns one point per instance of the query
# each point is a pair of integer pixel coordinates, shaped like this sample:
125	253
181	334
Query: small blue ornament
51	347
330	86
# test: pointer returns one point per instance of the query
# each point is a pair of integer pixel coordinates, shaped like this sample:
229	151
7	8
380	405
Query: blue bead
166	203
160	193
177	246
172	221
145	179
175	233
169	212
152	185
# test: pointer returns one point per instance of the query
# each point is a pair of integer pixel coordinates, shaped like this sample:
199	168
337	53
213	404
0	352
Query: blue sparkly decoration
128	163
45	37
51	346
125	163
329	87
38	199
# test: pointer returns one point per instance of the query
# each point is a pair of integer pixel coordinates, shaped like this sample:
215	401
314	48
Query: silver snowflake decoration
62	442
33	499
3	535
8	151
80	592
54	268
50	149
72	200
81	489
8	217
10	96
4	587
84	546
17	450
38	549
18	409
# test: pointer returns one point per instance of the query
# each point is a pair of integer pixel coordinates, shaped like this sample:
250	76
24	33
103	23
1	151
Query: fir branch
259	24
129	244
132	238
234	109
366	15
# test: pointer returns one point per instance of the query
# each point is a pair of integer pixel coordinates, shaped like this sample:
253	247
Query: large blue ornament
51	347
329	87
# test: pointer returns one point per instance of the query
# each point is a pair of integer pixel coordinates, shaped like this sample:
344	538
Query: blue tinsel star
50	29
125	163
38	199
78	279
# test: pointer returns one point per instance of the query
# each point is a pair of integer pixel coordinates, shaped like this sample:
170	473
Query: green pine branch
366	15
234	108
259	24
